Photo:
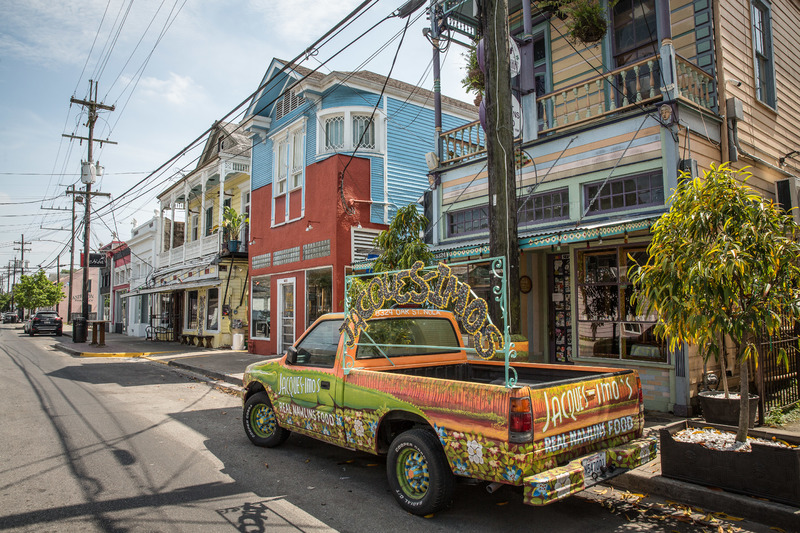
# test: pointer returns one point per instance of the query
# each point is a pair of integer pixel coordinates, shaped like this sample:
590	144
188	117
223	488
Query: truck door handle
326	385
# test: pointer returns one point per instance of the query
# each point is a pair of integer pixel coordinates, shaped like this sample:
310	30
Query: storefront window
608	325
212	320
260	319
191	310
318	294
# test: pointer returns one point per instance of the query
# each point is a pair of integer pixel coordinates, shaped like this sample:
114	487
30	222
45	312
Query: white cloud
176	89
301	20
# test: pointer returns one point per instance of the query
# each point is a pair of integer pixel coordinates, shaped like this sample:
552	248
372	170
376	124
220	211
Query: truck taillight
520	423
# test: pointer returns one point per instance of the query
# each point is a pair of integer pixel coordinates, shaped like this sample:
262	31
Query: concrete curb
77	353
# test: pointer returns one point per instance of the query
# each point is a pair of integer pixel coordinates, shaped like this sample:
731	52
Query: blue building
333	157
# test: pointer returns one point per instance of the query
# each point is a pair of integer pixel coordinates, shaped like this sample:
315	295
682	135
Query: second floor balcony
592	101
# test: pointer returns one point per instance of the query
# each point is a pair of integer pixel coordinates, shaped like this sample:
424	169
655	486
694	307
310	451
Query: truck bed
533	376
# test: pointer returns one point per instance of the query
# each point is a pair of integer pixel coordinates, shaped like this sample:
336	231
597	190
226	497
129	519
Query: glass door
560	316
286	314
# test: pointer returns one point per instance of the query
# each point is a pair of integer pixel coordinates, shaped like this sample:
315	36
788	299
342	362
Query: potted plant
233	223
586	20
722	265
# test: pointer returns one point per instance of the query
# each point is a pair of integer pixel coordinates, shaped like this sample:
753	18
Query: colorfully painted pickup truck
400	382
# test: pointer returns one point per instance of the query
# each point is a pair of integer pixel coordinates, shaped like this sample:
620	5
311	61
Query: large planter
233	246
719	410
765	471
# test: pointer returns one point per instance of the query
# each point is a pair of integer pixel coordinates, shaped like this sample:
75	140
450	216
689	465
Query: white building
142	244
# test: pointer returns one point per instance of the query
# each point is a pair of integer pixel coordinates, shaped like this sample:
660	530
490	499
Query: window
260	311
363	132
624	193
195	224
281	169
467	221
635	38
334	134
762	53
345	130
209	219
212	316
389	337
551	205
297	160
319	346
191	310
318	293
608	325
289	160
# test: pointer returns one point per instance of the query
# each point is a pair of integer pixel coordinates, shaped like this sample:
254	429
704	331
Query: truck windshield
399	337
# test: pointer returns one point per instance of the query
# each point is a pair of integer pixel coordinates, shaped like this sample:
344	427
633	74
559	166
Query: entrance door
559	312
286	314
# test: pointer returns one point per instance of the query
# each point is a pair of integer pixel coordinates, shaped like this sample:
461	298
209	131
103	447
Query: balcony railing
206	245
606	94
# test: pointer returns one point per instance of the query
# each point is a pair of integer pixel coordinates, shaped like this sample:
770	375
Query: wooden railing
695	84
618	90
601	95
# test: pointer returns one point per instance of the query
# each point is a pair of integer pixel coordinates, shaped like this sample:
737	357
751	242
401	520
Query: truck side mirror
291	355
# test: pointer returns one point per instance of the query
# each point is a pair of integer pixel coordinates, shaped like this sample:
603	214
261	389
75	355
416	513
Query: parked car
26	324
9	317
45	322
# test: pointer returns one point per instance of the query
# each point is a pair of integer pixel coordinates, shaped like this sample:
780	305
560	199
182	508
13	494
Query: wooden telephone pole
500	152
88	174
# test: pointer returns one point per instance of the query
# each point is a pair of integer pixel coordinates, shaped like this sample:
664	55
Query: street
102	444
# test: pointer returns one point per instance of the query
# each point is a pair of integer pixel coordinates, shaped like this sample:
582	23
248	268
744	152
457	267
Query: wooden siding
765	132
343	96
593	151
261	163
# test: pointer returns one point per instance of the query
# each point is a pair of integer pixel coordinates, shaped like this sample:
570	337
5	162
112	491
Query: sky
171	68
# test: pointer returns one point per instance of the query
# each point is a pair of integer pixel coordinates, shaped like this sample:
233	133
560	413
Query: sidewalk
224	368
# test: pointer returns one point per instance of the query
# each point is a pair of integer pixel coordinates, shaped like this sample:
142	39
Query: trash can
238	341
79	327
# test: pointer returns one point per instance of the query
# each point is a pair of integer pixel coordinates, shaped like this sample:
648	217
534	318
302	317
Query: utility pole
22	249
500	152
88	173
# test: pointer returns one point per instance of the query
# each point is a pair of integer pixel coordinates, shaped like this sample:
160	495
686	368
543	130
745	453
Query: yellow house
199	285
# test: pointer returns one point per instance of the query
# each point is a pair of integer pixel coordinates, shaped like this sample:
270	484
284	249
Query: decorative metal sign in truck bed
401	382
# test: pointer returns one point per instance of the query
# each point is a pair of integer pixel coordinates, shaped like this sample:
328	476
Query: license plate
594	466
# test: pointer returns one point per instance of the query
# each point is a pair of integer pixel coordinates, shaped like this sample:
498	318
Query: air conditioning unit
787	194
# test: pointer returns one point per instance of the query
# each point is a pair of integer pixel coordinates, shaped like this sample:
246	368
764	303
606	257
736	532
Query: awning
170	287
566	234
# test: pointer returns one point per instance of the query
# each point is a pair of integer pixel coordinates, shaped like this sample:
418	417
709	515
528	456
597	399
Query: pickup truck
400	382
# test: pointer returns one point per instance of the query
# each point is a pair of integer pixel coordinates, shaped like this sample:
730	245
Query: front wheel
418	472
260	422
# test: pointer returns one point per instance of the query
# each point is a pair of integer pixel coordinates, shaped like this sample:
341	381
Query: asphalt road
129	445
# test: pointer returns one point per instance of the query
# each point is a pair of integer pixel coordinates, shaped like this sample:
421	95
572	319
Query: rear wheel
418	472
260	422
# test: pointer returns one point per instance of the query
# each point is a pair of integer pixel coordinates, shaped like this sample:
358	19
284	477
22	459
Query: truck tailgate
591	429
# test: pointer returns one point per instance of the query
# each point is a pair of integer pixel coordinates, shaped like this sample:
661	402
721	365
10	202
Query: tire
30	332
418	472
260	422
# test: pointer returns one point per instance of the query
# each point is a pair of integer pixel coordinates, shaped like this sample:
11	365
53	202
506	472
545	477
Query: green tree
723	261
5	301
401	246
36	291
402	243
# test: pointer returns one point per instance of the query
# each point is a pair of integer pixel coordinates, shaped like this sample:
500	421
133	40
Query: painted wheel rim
412	473
262	420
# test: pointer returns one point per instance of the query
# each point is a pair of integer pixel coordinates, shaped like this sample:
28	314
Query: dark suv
45	322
